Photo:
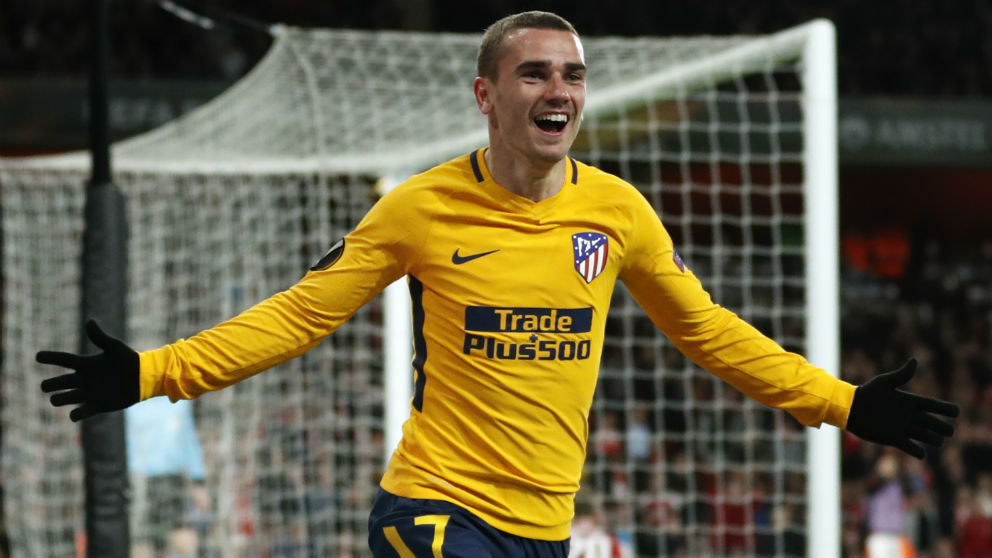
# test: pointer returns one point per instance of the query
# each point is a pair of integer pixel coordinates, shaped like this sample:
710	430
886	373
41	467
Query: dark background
893	48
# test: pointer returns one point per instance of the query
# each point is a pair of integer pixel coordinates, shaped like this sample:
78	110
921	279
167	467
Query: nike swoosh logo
459	260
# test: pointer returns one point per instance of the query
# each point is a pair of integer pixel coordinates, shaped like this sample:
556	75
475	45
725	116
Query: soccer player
512	253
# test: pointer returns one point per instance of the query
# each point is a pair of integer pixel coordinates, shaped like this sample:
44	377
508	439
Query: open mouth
552	123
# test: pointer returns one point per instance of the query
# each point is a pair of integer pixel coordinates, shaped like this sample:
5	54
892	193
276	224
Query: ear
481	87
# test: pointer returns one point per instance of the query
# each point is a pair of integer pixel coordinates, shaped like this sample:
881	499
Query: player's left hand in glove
883	414
99	383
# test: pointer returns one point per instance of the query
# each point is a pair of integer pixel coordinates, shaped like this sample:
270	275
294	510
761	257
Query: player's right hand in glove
98	383
884	414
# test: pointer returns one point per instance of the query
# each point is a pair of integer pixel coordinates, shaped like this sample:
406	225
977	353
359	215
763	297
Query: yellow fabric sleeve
289	323
718	340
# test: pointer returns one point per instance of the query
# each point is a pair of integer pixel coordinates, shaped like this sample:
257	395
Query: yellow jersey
510	300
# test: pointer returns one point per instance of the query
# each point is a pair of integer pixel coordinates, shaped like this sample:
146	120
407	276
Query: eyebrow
540	64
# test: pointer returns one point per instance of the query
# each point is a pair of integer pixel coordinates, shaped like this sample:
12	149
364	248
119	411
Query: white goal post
822	276
733	139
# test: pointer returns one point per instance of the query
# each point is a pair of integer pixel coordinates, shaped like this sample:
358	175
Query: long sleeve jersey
510	300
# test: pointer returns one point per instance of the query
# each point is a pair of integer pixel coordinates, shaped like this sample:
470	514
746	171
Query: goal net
234	201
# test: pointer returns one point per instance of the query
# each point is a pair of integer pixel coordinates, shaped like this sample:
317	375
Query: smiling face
535	101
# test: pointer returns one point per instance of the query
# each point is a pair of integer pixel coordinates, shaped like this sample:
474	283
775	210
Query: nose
558	90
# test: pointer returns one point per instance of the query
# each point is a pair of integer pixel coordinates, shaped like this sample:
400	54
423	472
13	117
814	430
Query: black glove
104	382
886	415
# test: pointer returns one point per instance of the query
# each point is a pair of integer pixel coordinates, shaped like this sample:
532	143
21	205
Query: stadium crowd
920	296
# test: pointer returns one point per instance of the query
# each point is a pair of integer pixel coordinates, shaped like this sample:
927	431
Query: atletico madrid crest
591	251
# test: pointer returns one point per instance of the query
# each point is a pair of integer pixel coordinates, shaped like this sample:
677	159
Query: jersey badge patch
332	256
591	251
677	259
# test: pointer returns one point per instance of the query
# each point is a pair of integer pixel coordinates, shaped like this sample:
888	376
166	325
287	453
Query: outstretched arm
884	414
727	346
275	330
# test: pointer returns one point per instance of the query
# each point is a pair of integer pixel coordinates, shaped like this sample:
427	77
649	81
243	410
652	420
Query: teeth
553	117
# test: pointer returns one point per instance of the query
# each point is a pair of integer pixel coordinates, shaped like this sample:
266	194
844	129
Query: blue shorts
409	528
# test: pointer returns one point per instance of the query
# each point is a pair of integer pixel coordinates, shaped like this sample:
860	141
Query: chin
552	153
552	156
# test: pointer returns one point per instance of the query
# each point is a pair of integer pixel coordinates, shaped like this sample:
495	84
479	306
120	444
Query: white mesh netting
234	201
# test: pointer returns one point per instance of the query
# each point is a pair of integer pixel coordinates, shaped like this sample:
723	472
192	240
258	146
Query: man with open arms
512	254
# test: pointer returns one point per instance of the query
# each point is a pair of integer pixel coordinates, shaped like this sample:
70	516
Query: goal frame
822	276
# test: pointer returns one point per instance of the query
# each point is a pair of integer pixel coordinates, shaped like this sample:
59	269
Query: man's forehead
529	42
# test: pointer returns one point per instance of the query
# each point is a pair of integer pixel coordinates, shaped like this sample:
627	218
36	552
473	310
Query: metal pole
103	293
823	278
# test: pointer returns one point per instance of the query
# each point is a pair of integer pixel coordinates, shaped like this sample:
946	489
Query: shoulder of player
434	184
439	180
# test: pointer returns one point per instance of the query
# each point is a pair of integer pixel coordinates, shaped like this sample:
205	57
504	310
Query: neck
534	180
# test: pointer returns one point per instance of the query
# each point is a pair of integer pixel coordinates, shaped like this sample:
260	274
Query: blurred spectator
167	471
607	440
639	436
735	517
886	512
974	522
590	538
